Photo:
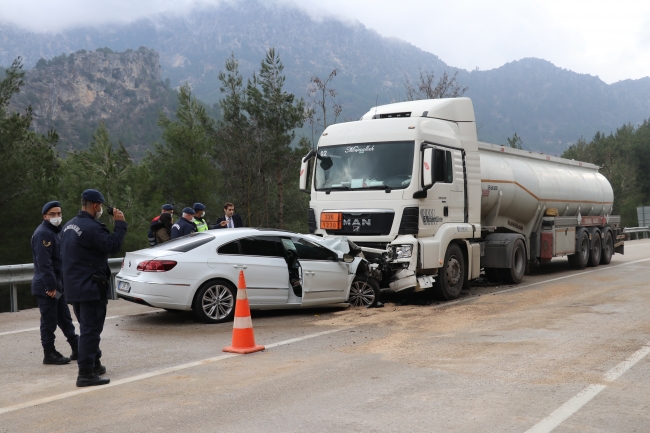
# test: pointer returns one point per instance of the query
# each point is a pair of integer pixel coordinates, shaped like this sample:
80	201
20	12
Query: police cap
167	207
92	195
189	211
199	206
50	205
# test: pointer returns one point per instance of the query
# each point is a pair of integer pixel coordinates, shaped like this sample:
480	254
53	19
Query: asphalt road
564	351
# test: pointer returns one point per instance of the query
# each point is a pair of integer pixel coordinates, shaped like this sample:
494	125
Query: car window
229	248
268	246
185	243
307	250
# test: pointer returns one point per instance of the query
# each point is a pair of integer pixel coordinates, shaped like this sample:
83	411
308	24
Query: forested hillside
549	107
73	93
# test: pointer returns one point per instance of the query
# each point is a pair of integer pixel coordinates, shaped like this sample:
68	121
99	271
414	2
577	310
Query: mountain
549	107
73	93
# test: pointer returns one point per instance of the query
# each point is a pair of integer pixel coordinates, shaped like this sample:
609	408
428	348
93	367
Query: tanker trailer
561	207
432	207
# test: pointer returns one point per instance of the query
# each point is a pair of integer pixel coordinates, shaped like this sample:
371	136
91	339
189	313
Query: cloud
599	37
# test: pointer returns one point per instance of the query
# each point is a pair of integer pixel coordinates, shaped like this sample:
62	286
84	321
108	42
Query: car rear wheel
215	302
364	292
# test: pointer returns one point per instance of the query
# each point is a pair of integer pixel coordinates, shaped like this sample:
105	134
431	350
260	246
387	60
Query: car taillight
156	265
122	263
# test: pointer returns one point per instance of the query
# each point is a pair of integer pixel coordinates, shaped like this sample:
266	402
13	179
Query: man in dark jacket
47	286
85	246
151	235
184	226
230	219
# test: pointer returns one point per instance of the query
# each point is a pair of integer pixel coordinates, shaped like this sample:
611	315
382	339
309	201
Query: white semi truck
432	206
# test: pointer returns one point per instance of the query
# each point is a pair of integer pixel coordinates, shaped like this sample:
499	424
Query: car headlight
402	251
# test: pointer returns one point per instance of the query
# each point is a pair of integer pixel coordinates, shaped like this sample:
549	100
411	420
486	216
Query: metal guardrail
12	275
638	232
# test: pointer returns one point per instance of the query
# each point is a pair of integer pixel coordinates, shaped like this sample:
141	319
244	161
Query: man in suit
230	220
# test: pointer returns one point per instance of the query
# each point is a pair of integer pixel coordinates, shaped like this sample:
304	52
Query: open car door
325	280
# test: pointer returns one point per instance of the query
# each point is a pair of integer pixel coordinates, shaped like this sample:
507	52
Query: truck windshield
365	165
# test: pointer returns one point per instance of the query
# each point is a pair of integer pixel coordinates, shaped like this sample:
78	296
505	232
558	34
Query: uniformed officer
199	217
47	286
85	246
184	226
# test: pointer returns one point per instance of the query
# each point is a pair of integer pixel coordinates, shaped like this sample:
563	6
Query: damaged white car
199	272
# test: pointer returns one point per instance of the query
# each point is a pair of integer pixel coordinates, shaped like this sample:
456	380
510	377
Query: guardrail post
113	288
13	298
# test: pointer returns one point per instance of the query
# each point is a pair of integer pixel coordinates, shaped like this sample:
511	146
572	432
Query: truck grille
365	224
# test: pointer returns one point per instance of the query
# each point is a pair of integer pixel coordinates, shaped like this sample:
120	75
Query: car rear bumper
154	294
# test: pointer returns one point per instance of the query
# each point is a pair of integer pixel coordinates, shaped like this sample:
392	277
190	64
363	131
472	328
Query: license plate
123	286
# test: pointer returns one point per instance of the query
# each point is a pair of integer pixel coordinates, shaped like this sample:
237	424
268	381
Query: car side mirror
347	258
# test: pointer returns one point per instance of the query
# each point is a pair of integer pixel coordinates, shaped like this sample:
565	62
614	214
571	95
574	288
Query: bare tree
515	142
425	87
318	96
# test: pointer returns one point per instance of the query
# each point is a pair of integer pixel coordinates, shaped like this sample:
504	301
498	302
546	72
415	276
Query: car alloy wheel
364	292
217	302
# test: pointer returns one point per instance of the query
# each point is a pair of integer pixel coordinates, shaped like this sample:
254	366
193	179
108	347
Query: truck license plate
123	286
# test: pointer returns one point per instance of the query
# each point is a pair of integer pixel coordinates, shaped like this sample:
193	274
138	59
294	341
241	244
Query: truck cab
404	180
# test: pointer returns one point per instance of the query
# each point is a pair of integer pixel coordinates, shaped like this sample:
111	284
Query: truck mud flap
619	248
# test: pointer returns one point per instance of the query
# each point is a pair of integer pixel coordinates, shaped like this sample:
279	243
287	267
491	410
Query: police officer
85	246
184	226
47	286
199	217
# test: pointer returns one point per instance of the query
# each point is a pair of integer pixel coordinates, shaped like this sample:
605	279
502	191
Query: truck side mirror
304	171
427	168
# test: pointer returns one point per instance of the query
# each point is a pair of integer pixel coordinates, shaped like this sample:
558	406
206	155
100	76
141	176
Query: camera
109	210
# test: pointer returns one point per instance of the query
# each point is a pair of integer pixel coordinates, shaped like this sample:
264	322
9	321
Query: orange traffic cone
243	339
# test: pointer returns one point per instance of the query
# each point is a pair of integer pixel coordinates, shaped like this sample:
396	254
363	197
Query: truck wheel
452	275
608	249
596	250
214	302
580	258
364	292
515	273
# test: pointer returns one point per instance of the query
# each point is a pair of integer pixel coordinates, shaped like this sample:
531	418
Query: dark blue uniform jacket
182	227
47	259
85	246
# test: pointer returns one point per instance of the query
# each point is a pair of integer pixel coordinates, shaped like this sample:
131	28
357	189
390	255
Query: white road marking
77	323
586	395
167	370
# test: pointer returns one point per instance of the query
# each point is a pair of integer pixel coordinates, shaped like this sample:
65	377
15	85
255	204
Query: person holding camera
85	246
47	286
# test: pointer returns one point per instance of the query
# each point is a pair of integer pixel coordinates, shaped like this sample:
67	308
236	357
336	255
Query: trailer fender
498	249
433	249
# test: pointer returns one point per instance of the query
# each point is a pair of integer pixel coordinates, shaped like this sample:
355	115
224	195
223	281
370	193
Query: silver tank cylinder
518	185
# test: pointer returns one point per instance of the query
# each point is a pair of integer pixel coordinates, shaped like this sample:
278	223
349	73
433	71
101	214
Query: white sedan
199	272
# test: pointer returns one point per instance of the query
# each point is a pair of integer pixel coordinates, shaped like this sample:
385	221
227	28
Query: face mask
98	215
203	216
55	221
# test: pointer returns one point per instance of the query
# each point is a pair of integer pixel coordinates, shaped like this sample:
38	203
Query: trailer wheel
515	273
581	257
608	249
453	274
595	253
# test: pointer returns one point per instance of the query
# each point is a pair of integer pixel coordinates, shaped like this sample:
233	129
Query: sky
608	39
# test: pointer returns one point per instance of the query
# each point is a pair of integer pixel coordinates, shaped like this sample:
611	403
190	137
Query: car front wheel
364	292
215	302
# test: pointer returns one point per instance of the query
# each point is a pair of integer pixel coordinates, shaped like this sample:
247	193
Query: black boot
52	357
99	368
87	377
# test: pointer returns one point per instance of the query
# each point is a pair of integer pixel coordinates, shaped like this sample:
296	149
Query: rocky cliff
73	93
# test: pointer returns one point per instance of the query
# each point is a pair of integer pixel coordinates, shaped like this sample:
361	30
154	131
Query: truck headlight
402	251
